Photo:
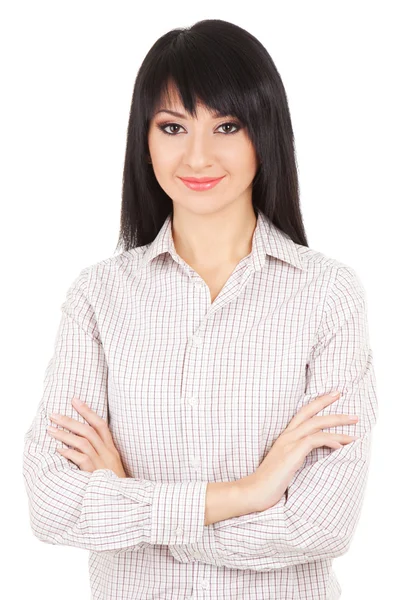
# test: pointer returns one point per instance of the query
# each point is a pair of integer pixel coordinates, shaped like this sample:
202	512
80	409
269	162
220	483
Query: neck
211	241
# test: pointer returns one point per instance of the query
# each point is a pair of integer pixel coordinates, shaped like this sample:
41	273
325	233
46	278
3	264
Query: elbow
342	544
43	534
337	547
331	546
54	504
58	530
41	519
44	524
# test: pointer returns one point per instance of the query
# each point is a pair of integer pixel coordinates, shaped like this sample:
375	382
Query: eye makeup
163	125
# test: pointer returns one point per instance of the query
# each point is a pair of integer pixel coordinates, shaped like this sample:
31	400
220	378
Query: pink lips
200	183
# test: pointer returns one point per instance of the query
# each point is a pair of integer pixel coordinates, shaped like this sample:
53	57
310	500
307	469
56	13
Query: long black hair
229	71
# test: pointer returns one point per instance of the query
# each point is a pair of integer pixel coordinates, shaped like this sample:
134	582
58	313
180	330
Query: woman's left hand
94	445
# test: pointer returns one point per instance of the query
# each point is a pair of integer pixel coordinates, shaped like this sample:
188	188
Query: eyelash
162	126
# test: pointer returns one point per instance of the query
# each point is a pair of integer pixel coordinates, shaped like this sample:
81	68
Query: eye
230	123
164	126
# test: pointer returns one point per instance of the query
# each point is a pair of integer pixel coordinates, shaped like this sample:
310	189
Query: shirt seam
86	272
324	304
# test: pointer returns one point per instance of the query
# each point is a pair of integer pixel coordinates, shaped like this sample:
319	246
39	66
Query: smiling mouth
202	184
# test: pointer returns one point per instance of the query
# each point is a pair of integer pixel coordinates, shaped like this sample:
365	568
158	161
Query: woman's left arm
317	516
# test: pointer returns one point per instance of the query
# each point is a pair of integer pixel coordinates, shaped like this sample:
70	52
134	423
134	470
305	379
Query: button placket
192	399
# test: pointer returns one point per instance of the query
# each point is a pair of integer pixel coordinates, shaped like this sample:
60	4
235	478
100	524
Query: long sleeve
96	511
316	517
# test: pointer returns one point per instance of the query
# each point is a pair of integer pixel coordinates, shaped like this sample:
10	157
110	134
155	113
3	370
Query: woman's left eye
164	126
234	124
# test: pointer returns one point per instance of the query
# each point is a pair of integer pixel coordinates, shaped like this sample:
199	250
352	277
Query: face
204	147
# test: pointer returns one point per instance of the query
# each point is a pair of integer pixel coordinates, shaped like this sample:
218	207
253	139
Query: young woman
209	458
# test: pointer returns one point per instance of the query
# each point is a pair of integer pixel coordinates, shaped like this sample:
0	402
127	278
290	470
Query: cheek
165	173
158	146
165	168
164	157
242	167
240	156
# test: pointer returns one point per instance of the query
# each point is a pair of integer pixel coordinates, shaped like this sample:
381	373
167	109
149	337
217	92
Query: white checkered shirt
196	391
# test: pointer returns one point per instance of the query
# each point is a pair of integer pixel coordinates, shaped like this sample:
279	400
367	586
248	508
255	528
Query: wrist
248	494
222	501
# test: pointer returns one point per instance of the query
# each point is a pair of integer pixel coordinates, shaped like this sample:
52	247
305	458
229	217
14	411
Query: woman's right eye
163	127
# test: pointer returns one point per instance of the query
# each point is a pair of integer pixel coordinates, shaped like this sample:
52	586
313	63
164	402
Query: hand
304	432
94	443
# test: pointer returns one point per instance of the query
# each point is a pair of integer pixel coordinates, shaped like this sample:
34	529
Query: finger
82	429
81	460
98	424
82	444
317	440
311	408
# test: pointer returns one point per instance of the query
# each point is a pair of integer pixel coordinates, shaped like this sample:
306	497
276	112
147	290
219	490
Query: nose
198	151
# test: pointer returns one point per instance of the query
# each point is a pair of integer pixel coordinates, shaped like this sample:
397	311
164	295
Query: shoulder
126	261
338	277
105	272
338	286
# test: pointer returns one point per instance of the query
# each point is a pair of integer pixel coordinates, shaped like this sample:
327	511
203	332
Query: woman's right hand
303	434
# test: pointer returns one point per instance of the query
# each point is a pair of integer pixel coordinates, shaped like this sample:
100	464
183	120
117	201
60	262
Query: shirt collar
268	239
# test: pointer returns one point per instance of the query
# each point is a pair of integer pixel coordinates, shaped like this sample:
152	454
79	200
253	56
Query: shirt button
195	462
196	340
179	529
193	401
197	287
204	584
196	554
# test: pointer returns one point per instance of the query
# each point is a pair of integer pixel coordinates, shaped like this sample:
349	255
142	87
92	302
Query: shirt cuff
218	544
178	512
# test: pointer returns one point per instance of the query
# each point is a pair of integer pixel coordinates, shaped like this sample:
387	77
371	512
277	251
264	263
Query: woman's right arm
96	511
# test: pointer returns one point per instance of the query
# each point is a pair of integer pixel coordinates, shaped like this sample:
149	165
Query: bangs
206	72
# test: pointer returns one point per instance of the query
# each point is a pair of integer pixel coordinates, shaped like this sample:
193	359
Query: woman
209	458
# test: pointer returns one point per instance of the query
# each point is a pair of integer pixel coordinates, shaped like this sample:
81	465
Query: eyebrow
216	114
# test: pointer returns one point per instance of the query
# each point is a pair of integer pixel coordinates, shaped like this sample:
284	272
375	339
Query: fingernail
334	394
77	401
353	418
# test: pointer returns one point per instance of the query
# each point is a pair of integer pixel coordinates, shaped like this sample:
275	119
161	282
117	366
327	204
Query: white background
67	73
